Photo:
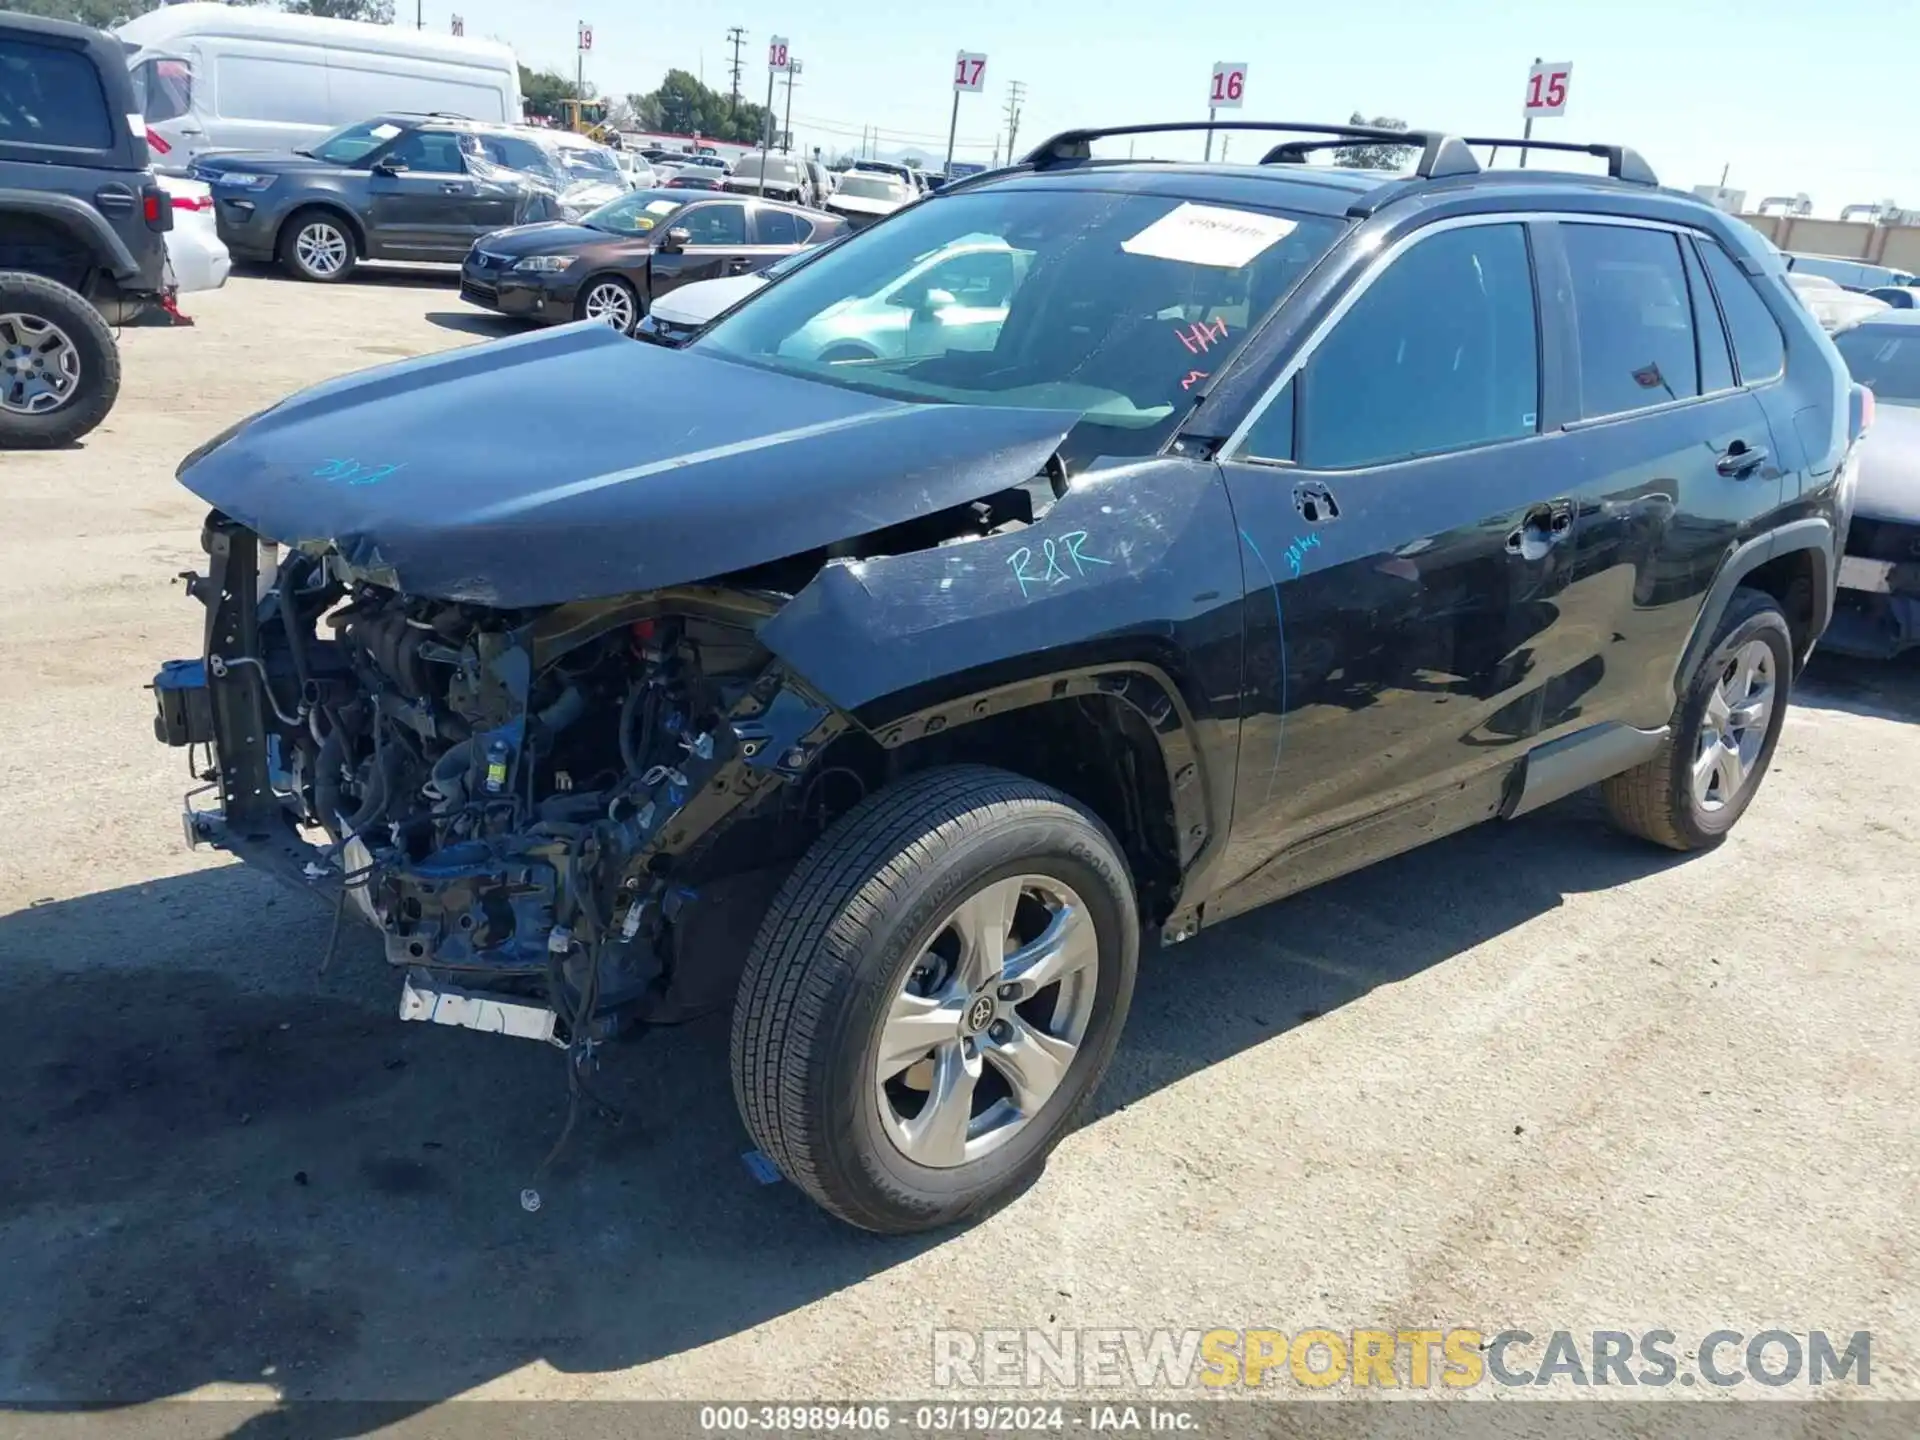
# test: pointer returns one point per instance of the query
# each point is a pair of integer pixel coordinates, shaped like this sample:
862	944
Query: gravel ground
1537	1075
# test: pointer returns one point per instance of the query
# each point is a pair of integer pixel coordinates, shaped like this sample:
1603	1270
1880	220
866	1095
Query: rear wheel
318	245
609	300
1721	737
934	993
59	366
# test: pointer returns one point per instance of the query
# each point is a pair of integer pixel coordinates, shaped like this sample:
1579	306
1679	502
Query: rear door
1406	521
428	211
1678	462
719	242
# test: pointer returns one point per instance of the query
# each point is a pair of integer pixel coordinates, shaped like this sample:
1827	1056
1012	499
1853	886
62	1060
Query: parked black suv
1279	518
396	187
81	220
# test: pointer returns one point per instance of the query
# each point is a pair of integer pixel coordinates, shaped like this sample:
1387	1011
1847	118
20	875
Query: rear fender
1128	586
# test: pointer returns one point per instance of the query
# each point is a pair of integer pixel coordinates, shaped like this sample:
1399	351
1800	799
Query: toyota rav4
1288	517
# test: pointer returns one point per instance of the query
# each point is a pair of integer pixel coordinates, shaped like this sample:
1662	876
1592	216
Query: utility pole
736	37
786	129
419	14
1016	94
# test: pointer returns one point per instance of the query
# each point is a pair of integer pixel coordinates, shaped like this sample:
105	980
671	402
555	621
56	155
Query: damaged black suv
891	660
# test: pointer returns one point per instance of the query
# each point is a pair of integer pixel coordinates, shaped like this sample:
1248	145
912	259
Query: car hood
862	204
261	162
549	237
573	463
699	302
1889	484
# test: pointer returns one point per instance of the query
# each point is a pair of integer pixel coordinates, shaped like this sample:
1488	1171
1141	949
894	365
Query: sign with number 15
1547	90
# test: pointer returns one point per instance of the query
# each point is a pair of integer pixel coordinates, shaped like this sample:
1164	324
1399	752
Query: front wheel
934	993
59	366
318	245
1721	737
612	302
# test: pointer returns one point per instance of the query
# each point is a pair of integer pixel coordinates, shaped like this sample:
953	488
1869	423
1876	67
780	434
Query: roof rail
1623	163
1440	154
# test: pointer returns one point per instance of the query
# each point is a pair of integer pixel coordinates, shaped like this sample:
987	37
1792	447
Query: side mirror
678	238
390	168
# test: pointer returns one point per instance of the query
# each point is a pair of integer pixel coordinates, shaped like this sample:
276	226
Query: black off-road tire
93	343
290	240
1655	799
835	948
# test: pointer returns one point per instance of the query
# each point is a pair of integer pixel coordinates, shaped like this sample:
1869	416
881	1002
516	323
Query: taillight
154	207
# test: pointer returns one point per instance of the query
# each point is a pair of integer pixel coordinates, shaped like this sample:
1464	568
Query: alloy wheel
320	248
1734	728
39	365
988	1021
611	303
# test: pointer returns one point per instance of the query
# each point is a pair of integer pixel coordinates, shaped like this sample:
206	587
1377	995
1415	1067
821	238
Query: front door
1407	528
717	244
427	210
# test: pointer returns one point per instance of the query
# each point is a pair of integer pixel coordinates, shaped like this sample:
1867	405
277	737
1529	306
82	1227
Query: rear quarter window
1758	347
51	96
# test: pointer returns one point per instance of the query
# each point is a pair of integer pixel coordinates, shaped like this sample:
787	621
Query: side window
1758	345
1440	353
51	96
716	225
1716	366
432	152
165	88
1635	322
983	278
779	227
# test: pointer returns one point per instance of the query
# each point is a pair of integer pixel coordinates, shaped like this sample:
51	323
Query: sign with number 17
969	71
1547	89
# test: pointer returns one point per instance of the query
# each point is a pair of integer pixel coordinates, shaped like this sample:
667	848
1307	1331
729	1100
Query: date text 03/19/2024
947	1419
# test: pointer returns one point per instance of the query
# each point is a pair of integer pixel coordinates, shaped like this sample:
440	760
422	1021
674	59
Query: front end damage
542	811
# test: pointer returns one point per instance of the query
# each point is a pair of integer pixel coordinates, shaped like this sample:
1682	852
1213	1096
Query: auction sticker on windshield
662	207
1209	235
384	132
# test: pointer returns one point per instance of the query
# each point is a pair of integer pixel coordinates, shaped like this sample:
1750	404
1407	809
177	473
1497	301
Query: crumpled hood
573	463
1889	484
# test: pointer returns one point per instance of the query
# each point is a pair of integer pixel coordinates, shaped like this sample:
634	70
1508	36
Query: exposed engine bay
524	803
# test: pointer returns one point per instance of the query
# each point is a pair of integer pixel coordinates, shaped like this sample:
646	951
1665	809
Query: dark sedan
613	263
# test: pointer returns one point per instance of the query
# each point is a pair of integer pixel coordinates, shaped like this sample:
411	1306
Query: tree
1373	154
376	12
684	106
543	90
101	14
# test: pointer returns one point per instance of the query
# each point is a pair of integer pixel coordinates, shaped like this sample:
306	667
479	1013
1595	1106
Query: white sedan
195	252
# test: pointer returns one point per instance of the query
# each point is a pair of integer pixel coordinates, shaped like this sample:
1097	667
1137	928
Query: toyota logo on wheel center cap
980	1013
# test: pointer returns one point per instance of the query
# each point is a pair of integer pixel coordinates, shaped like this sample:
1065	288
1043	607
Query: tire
311	234
1658	800
864	915
51	337
611	300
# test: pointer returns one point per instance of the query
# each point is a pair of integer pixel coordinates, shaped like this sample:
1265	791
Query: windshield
1112	306
1885	359
634	213
874	187
580	162
778	168
354	142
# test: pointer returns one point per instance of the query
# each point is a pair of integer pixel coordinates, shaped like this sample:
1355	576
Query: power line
736	36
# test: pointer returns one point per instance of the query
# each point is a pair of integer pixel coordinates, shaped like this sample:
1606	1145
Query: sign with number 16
1229	88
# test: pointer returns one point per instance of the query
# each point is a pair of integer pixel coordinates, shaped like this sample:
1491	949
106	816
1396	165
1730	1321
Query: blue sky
1820	98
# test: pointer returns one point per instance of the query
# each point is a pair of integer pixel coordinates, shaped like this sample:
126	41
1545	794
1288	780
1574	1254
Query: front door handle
453	187
1740	460
1542	528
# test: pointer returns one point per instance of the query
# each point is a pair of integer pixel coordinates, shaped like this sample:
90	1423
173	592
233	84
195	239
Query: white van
223	77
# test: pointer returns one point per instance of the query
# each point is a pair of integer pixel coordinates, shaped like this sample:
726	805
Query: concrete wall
1897	246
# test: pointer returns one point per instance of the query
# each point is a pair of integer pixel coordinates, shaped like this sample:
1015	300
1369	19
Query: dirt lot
1537	1075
